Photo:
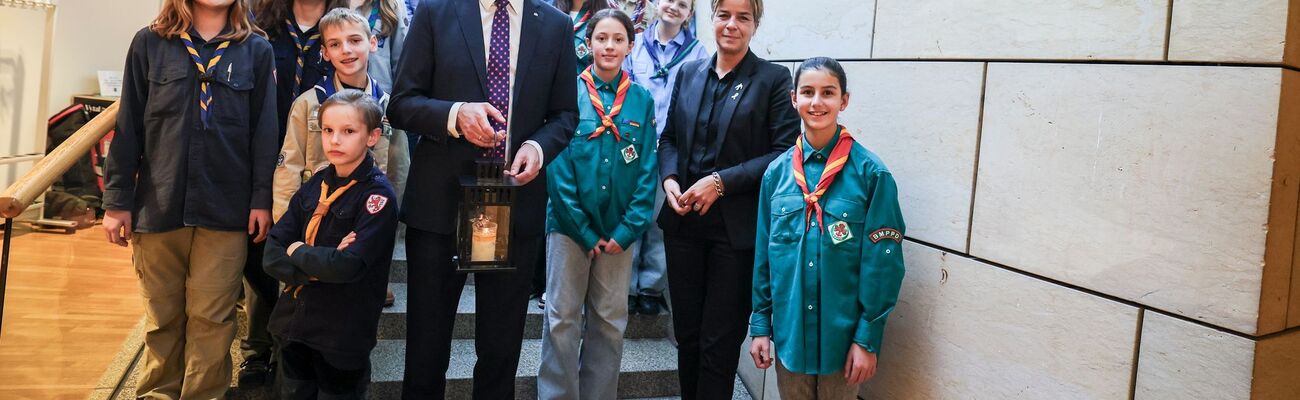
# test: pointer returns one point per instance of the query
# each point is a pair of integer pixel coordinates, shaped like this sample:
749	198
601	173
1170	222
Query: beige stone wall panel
1149	183
922	119
799	29
1233	31
1021	29
1183	360
965	329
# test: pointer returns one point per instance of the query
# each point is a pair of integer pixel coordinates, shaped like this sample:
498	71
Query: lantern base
468	267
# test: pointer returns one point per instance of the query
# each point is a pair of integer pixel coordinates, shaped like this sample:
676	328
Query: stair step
397	271
648	370
392	323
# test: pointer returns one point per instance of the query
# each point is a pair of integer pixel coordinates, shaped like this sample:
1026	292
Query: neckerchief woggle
606	119
839	157
661	70
205	73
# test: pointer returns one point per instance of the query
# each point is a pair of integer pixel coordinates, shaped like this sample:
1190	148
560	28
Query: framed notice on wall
23	69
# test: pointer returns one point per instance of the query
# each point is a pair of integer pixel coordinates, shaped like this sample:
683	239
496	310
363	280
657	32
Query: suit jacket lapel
733	98
471	27
531	21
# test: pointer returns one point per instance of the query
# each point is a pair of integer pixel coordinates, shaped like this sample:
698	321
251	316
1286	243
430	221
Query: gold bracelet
717	183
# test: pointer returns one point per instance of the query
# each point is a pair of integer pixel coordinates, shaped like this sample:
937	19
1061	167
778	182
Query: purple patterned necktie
498	74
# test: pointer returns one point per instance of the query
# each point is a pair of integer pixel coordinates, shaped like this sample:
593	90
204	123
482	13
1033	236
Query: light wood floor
71	301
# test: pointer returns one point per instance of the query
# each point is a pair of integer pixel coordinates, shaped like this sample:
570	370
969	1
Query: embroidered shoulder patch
886	234
376	203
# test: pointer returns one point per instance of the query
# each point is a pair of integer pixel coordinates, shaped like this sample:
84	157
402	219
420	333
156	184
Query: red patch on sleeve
376	203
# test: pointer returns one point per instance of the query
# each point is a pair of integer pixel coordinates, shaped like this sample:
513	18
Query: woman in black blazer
730	117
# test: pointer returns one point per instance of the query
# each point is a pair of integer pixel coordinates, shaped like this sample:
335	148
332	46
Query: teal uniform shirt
604	188
818	289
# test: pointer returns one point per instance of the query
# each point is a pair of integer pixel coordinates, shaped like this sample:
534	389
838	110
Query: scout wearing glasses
332	249
601	190
188	181
828	260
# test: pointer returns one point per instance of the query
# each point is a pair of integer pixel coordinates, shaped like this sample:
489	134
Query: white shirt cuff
451	120
533	143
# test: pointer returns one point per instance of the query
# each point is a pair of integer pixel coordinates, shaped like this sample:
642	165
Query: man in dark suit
731	115
477	78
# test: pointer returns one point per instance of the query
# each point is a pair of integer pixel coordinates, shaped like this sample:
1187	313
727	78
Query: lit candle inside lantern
484	244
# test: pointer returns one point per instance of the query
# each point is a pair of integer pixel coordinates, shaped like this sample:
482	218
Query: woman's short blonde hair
757	5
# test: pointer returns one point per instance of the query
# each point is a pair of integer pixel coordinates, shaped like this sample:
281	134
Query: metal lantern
483	220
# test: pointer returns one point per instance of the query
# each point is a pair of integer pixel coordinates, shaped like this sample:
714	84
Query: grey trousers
796	386
586	313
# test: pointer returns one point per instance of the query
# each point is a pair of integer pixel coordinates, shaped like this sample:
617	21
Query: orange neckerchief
839	156
322	208
606	120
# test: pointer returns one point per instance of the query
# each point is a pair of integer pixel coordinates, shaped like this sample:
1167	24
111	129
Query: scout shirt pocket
170	93
845	222
231	87
786	223
630	149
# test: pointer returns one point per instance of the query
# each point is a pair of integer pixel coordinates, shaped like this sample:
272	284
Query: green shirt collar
809	151
601	84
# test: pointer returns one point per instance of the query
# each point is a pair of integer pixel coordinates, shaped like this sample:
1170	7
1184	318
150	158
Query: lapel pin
229	67
535	14
740	86
735	95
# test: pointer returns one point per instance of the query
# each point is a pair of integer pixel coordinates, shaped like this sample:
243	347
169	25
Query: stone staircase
648	370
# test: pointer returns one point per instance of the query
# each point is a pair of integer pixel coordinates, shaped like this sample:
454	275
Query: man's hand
117	226
347	241
860	365
760	349
472	122
612	247
673	194
259	223
700	196
527	164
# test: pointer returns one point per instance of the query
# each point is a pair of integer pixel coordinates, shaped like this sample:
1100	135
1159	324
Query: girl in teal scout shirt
602	189
828	255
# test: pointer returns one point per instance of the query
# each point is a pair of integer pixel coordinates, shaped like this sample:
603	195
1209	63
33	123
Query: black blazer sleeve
668	140
562	107
413	107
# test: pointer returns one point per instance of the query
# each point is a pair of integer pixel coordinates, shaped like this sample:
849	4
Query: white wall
91	35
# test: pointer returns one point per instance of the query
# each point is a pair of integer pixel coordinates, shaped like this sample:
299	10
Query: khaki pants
190	280
795	386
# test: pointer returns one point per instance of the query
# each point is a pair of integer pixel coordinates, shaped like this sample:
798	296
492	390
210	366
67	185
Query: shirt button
845	215
810	307
810	263
782	209
602	187
607	161
886	251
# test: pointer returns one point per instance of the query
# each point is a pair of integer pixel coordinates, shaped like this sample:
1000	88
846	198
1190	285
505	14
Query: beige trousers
795	386
190	280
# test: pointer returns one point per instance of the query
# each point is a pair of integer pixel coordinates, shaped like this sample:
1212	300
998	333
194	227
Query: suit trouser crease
586	315
710	283
434	290
190	281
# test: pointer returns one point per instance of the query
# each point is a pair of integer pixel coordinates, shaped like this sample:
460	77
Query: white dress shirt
487	9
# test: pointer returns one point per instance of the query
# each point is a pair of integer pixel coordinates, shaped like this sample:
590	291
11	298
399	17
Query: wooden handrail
15	199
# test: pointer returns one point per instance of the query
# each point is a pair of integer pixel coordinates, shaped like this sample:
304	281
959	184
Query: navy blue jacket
165	166
442	63
338	313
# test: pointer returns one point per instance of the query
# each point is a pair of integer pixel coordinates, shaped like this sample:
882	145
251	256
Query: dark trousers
260	293
433	293
710	283
306	374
